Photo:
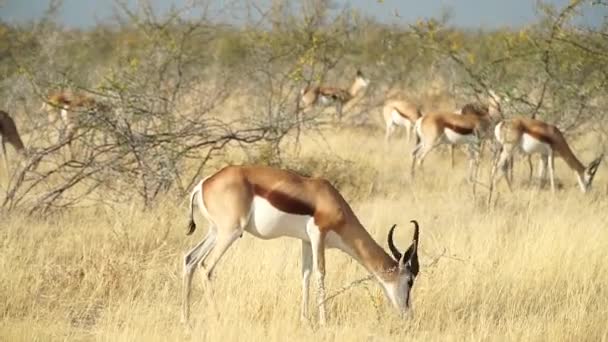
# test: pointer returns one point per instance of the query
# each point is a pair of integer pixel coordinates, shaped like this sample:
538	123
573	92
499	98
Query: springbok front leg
317	242
542	171
4	157
473	151
502	163
390	129
306	272
551	162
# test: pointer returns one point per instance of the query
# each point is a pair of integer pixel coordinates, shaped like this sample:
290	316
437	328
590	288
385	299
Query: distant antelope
321	95
435	129
271	203
490	112
66	107
400	113
10	134
534	136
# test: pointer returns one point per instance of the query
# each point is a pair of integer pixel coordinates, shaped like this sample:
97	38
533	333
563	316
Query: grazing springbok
435	129
491	111
534	136
10	134
400	113
66	106
271	203
321	95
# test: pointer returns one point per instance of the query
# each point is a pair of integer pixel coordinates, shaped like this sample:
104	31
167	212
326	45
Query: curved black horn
416	231
412	252
391	244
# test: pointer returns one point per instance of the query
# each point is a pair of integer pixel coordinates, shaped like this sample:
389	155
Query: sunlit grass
530	267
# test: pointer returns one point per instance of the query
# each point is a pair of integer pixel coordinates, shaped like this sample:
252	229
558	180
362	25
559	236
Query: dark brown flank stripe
538	135
399	112
284	202
459	129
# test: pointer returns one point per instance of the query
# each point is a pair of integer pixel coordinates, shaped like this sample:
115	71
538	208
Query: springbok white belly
400	120
456	138
325	100
268	222
530	145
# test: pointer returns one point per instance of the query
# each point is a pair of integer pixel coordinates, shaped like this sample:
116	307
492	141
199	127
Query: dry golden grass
532	267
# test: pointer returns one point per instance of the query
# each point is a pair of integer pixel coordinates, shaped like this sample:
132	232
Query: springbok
534	136
271	203
321	95
400	113
435	129
10	134
66	106
491	111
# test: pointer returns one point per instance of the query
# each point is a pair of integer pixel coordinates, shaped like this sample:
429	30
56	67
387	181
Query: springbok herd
271	203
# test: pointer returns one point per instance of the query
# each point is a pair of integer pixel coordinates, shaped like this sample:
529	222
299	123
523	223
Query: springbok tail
191	223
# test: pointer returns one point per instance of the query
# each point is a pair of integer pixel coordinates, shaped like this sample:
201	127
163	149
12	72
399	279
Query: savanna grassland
93	225
530	267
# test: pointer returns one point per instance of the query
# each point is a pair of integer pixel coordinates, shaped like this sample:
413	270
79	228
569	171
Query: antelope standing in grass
537	137
490	111
435	129
271	203
321	95
10	134
400	113
66	107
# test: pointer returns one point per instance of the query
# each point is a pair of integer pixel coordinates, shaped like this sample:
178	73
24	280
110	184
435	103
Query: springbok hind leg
191	262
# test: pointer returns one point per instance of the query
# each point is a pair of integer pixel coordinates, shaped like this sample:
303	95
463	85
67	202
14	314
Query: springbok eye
410	282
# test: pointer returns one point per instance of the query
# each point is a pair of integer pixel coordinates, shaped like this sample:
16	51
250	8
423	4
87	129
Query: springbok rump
270	203
325	96
10	134
400	113
537	137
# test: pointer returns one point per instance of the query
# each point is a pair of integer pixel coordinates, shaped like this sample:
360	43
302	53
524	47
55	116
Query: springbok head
590	172
398	290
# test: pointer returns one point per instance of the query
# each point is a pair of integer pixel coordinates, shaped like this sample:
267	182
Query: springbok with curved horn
270	203
400	113
10	134
537	137
315	95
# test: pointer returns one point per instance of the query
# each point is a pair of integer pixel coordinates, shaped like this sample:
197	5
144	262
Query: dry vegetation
91	242
531	268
